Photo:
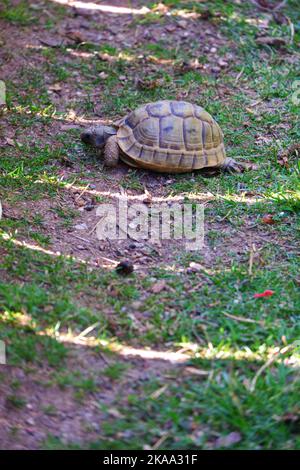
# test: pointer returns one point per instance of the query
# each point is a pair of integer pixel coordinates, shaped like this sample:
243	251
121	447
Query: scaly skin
111	152
232	166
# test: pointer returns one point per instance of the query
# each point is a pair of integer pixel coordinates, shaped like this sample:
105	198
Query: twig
275	8
82	239
251	256
239	75
160	441
82	192
261	370
255	103
200	340
242	319
292	29
159	392
265	366
87	330
70	185
95	226
109	259
225	216
104	359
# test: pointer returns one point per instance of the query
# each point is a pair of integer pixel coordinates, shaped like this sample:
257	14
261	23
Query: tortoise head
97	136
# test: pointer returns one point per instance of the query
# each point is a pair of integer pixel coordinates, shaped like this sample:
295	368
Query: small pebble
80	227
30	421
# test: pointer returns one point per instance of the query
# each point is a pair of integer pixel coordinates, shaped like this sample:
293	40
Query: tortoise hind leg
111	152
232	166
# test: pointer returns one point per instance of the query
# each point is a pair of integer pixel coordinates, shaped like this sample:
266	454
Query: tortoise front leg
232	166
111	152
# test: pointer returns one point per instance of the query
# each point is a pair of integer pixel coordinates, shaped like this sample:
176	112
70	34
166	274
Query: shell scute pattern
171	135
170	132
147	132
159	109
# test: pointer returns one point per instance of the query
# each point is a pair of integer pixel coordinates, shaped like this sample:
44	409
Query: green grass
212	313
15	402
19	14
186	418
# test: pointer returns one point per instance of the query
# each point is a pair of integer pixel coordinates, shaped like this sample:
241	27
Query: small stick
104	359
200	340
160	441
82	239
292	29
255	103
95	226
242	319
252	250
260	371
239	75
109	259
159	392
225	216
275	8
266	365
82	192
87	330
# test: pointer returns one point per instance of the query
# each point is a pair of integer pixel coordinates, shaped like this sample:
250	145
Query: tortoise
164	136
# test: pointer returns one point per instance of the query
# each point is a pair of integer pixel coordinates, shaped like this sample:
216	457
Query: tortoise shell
170	136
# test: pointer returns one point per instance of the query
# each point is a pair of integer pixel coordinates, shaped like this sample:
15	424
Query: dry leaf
292	417
51	42
148	84
75	36
271	41
183	24
80	202
55	87
161	8
268	219
194	371
115	413
171	28
223	63
229	440
158	392
10	142
158	287
284	155
103	75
